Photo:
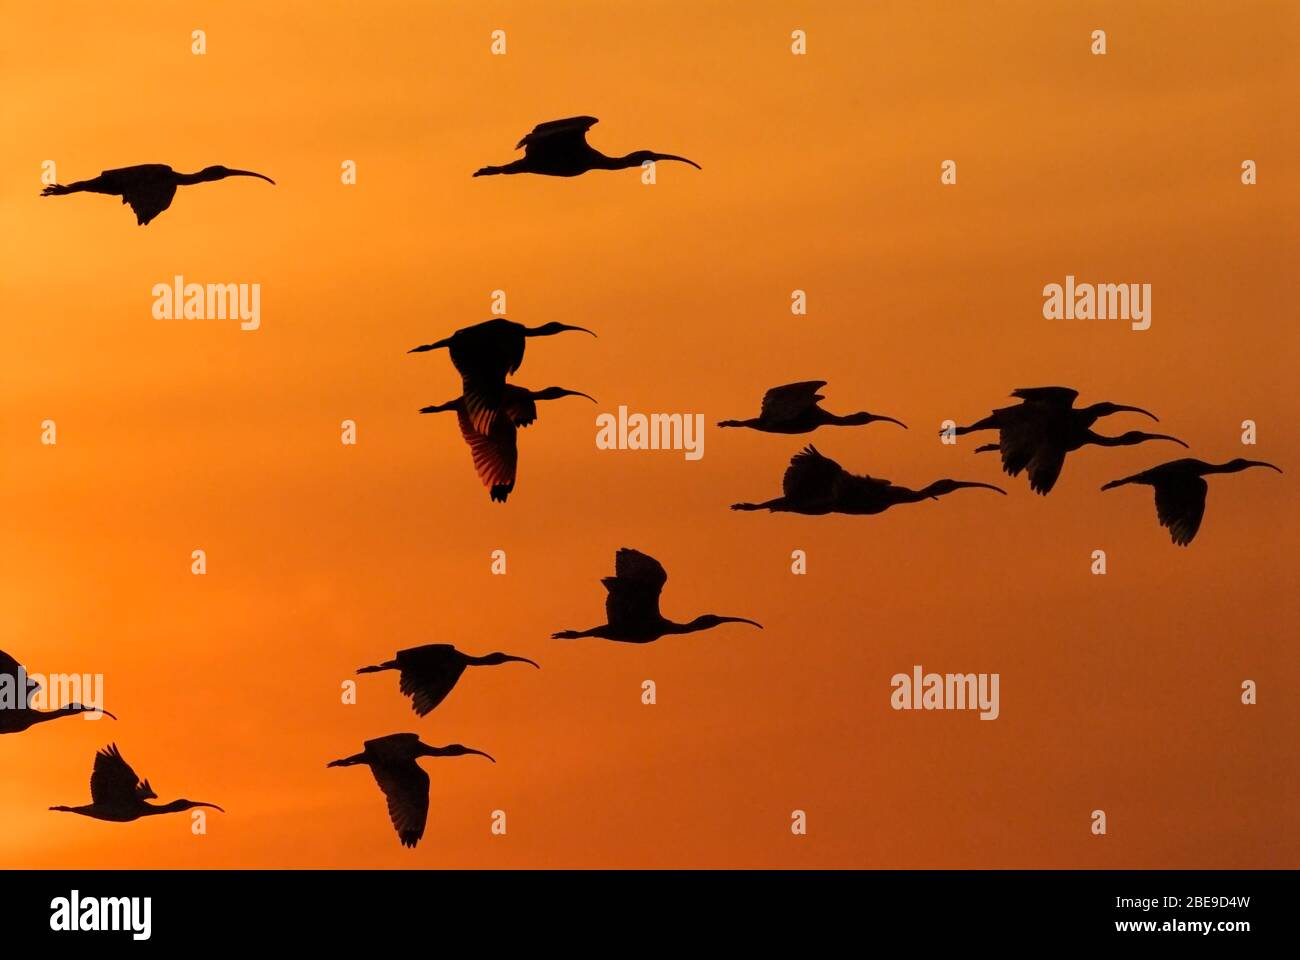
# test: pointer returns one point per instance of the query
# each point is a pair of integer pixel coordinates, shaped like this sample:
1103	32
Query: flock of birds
1034	436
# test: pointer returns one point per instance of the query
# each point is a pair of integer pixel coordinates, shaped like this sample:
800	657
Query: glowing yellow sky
820	173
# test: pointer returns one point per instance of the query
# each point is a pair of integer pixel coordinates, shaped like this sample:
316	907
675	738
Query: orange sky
820	173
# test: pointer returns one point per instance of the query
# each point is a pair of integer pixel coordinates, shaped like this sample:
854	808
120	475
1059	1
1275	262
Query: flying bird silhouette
559	148
1180	491
118	795
495	451
484	355
392	760
429	673
16	719
148	188
1038	433
817	485
632	605
794	408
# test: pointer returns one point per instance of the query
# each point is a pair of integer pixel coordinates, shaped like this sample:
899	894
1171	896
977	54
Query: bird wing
495	453
406	788
428	674
632	596
557	134
1180	505
1044	466
1022	432
518	404
148	198
113	782
1057	396
9	668
810	478
484	355
787	402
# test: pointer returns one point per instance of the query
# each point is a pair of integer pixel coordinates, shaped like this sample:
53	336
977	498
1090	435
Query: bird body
119	796
1180	491
21	715
1036	434
632	605
147	187
495	450
392	762
430	672
559	148
484	355
794	408
816	485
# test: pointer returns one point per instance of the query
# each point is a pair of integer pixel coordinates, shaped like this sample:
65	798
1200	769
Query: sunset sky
820	173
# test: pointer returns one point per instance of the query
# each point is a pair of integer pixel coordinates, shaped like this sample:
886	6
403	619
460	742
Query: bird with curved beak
147	187
119	796
428	673
392	762
559	148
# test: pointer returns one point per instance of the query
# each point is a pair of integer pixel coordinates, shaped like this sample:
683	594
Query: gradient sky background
820	173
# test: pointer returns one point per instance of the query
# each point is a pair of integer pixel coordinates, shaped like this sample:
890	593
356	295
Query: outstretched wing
785	403
1056	396
428	674
557	134
9	668
1180	505
495	453
1044	466
406	787
149	199
633	591
810	478
113	782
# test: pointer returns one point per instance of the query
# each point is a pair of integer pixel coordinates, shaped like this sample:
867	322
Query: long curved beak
671	156
1119	407
1262	463
249	173
110	716
212	805
480	753
983	486
753	623
524	660
566	326
892	420
578	393
1164	436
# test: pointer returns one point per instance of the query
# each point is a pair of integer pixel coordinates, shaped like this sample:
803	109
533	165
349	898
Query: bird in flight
1036	434
16	719
794	408
495	451
559	148
148	188
429	673
632	605
484	355
1180	491
392	760
117	794
817	485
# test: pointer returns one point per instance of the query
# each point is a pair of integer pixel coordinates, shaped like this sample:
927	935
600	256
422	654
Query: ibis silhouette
21	715
559	148
1036	434
392	760
816	485
1180	490
148	187
632	605
794	408
118	795
430	672
495	451
484	355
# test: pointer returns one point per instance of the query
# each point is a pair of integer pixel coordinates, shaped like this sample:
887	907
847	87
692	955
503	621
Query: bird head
1107	408
452	750
493	659
552	328
555	393
1241	464
220	173
638	157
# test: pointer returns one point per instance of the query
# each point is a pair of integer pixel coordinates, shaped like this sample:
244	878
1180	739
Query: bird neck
188	179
